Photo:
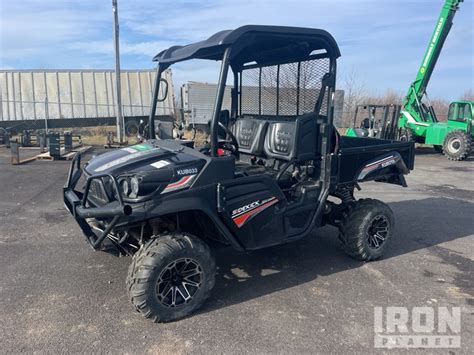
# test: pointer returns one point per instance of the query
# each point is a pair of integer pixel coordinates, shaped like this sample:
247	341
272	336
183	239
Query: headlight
125	186
129	186
134	186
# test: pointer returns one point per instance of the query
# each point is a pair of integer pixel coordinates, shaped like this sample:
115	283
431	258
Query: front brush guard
76	204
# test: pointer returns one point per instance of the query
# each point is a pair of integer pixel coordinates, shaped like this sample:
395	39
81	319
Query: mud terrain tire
170	277
366	229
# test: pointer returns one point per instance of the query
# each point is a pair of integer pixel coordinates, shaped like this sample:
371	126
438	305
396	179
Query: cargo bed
382	160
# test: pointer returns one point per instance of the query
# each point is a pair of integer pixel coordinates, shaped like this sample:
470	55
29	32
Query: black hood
129	158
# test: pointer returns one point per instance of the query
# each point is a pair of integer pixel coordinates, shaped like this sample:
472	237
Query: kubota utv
265	178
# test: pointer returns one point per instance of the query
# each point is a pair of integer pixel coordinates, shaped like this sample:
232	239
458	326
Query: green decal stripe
141	147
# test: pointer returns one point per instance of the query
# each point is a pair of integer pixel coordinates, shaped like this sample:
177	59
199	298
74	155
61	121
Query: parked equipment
54	145
3	133
50	146
418	121
379	121
112	143
273	161
32	138
7	136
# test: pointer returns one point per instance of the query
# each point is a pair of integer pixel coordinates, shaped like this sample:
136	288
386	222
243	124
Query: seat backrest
250	134
296	140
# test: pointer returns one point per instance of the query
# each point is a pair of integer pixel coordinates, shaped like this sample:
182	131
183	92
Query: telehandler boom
418	121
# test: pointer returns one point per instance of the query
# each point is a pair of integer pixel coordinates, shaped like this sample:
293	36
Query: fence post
119	117
33	92
59	95
20	94
46	114
13	96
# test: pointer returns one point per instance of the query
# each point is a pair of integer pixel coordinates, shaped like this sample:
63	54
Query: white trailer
197	102
77	98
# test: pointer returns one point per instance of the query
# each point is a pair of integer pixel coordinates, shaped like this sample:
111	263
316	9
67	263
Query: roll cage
284	61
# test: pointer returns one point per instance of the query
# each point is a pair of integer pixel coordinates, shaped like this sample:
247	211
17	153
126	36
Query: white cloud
383	40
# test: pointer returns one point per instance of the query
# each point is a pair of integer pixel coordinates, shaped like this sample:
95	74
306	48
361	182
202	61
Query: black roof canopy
250	43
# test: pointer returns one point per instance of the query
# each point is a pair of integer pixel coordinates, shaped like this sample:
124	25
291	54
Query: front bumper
76	203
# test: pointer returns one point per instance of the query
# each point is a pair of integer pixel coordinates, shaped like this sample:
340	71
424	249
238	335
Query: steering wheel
232	145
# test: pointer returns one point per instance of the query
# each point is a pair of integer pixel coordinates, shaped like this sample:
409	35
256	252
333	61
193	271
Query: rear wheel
457	145
170	277
366	229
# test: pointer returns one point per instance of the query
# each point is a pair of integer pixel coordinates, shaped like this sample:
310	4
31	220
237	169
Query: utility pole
118	86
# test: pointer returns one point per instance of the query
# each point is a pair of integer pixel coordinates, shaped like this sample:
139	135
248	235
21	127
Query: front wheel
366	229
170	277
457	145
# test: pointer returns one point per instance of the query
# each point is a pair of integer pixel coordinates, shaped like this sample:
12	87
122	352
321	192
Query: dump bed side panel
356	153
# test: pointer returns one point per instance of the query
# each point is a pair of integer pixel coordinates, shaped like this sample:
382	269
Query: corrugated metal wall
198	102
54	94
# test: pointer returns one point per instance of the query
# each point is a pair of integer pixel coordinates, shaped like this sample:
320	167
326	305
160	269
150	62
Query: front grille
97	194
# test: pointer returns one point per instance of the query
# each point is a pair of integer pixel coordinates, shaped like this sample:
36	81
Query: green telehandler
418	121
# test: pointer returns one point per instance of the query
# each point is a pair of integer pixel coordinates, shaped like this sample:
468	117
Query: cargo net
283	90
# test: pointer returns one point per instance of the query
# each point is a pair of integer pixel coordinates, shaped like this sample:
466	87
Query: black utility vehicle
275	169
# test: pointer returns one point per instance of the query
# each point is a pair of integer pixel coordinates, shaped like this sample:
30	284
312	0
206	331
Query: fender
388	167
190	203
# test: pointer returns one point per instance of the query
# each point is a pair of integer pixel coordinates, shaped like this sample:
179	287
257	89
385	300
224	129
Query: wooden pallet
22	161
64	155
30	148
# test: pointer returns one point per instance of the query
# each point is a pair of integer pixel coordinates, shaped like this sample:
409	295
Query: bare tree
354	94
468	95
440	107
354	90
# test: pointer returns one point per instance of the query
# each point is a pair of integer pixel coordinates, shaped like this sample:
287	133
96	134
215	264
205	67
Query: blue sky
382	41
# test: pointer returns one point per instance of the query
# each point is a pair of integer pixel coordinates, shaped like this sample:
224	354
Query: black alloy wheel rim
377	232
179	282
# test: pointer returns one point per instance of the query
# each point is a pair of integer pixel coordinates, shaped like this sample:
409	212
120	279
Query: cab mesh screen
283	90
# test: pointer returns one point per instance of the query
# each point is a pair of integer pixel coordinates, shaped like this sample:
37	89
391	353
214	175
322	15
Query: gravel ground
57	295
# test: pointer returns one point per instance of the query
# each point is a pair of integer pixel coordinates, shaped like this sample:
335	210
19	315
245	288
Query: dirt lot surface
57	295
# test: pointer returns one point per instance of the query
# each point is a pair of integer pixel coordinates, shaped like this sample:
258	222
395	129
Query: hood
127	159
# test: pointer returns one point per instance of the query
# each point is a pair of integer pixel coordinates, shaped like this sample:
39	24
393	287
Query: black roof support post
235	94
278	90
260	91
154	101
298	82
218	102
